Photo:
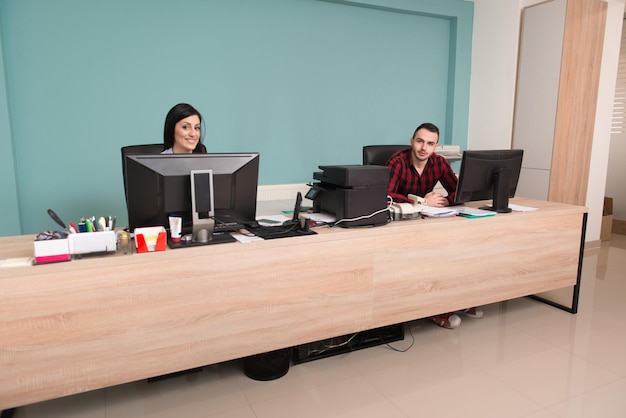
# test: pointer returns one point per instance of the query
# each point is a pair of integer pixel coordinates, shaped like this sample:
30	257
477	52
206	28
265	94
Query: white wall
616	171
600	175
492	88
494	66
616	175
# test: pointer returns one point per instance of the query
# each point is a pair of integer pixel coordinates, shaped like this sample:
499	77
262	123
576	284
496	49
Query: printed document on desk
520	208
434	212
321	217
17	262
245	238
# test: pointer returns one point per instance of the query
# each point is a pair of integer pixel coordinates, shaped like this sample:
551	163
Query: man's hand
436	200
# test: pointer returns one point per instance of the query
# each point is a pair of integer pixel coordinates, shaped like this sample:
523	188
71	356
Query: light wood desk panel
100	321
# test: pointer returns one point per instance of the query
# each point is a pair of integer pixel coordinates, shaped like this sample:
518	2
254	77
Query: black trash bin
268	366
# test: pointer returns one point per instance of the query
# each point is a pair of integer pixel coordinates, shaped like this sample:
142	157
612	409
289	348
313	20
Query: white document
321	217
434	212
245	238
520	208
17	262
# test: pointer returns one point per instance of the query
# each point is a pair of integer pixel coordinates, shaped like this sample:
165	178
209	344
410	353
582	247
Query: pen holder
150	239
92	242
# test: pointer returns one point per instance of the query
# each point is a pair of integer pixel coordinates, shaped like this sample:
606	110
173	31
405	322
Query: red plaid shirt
405	179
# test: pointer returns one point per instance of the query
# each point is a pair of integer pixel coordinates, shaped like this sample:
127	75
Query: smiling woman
182	133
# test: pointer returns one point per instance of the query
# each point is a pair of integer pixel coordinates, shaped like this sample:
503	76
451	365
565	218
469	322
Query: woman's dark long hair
177	113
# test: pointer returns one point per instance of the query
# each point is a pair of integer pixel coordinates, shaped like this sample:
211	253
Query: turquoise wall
9	207
303	82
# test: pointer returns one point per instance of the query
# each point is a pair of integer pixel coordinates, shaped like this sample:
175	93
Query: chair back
379	154
137	150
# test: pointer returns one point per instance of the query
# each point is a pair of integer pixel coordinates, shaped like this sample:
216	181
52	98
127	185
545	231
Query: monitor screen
159	185
490	174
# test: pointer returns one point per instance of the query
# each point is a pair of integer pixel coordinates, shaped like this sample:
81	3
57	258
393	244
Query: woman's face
186	135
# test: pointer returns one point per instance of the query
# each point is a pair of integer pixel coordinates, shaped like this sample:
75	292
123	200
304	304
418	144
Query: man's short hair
429	127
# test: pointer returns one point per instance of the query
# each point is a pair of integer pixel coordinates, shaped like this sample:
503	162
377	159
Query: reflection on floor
523	359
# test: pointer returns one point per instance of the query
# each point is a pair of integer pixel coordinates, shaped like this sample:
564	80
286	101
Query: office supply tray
218	238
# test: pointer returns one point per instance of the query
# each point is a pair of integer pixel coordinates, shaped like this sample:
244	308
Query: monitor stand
202	234
202	229
218	238
202	213
500	202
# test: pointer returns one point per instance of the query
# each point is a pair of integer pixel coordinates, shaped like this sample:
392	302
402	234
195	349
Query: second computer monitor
489	175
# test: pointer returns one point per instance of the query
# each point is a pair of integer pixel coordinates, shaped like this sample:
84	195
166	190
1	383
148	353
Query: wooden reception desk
101	321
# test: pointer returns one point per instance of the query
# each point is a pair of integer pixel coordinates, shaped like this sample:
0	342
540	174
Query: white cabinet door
539	69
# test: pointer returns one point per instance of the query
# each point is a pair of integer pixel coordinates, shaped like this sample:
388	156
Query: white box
51	251
92	242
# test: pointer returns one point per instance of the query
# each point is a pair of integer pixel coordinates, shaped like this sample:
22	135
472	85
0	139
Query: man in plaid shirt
416	171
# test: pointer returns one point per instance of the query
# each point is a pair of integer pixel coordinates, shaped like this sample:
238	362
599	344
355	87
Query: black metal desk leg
574	308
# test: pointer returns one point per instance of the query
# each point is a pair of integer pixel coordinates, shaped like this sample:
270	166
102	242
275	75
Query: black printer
355	194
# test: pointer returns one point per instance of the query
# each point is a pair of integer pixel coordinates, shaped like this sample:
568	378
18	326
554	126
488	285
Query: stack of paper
434	212
448	150
520	208
17	262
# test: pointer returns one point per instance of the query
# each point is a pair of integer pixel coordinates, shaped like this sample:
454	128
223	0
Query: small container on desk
51	247
124	244
153	238
92	242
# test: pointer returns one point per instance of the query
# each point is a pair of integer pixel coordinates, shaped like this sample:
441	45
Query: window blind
619	101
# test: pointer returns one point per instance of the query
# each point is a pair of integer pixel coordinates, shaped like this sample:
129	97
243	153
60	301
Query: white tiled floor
523	359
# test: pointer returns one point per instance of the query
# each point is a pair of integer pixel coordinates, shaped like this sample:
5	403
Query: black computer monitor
489	174
159	185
